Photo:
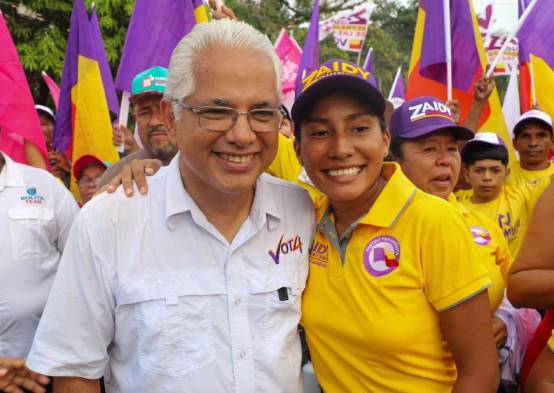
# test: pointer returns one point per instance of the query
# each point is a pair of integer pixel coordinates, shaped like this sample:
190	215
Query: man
196	286
147	89
534	141
36	213
59	164
87	171
485	159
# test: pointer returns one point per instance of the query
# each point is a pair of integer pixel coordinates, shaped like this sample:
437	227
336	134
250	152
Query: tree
40	29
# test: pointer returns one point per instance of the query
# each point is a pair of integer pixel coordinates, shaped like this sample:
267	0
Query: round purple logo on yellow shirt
481	236
381	256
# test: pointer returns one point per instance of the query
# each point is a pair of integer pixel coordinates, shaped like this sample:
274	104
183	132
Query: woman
392	271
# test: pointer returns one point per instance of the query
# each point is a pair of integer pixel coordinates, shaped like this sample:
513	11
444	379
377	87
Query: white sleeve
66	210
77	325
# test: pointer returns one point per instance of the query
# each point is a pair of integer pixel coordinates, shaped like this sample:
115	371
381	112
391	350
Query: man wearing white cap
534	142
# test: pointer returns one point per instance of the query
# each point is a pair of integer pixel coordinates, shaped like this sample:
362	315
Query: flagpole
532	77
448	48
512	35
393	87
123	117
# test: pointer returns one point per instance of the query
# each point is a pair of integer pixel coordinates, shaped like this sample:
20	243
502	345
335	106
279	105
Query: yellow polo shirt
492	247
371	316
519	176
287	167
512	210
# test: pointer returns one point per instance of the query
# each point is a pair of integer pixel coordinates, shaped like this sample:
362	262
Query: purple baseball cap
425	115
482	139
337	75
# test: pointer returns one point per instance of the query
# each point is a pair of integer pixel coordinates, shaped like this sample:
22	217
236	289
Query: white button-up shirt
151	295
36	213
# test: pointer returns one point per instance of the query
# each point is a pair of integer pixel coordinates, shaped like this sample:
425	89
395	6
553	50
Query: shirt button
237	301
242	355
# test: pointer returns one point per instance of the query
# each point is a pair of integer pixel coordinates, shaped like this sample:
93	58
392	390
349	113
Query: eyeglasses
87	181
221	119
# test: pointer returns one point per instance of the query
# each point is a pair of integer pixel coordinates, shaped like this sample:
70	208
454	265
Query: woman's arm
468	331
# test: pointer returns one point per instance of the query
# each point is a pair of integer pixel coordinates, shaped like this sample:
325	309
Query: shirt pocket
30	231
174	322
277	296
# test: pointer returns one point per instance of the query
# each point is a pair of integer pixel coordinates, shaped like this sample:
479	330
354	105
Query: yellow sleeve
452	270
285	165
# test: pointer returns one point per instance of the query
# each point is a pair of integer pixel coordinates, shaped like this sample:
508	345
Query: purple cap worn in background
425	115
337	75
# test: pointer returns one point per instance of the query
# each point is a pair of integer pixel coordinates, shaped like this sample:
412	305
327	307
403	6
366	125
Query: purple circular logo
480	236
381	256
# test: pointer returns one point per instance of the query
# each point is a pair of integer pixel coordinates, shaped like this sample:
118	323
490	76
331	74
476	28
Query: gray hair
204	36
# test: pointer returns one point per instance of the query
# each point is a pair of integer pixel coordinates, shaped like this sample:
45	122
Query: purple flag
310	53
63	129
465	58
521	6
154	30
397	88
535	35
107	78
368	63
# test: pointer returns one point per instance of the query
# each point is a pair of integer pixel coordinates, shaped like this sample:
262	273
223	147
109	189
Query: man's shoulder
285	188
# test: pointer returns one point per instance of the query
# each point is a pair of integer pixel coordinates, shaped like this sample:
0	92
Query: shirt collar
11	175
454	202
178	200
393	200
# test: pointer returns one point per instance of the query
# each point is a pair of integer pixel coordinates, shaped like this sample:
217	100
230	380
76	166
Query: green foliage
40	29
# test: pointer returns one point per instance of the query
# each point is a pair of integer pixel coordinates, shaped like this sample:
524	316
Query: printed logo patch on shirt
31	197
284	247
381	256
480	236
319	254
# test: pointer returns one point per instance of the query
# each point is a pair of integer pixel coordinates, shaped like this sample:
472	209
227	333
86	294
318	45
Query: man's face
87	182
486	178
432	162
47	126
226	163
342	148
533	143
151	129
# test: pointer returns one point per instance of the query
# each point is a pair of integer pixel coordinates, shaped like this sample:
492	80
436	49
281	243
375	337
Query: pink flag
53	87
19	120
289	53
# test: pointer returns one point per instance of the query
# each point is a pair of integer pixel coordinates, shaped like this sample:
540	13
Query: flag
397	88
427	73
155	29
484	21
310	52
107	78
510	107
19	121
369	62
289	53
350	29
83	123
535	40
200	11
524	68
52	87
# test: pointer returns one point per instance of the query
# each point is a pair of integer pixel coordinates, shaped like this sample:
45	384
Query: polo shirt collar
460	207
393	200
178	200
11	176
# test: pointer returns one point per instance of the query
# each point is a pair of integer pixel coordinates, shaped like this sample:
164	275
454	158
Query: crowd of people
413	253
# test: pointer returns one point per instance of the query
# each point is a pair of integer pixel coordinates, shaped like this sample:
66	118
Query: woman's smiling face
342	147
